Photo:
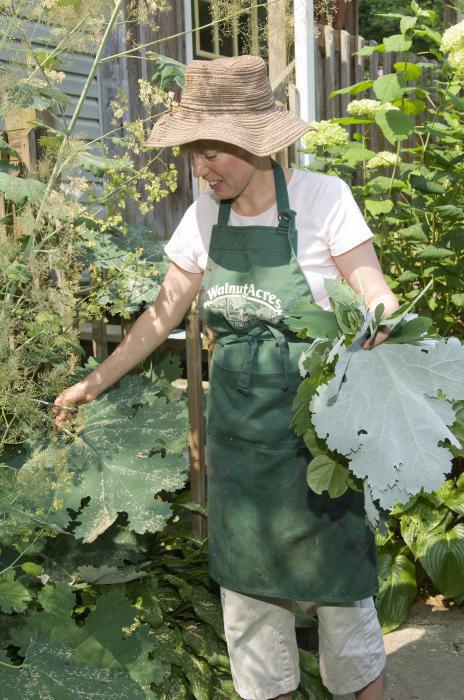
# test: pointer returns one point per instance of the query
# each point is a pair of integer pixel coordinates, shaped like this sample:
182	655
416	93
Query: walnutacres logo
242	304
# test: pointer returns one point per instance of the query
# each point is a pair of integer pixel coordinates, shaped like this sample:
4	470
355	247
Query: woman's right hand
71	398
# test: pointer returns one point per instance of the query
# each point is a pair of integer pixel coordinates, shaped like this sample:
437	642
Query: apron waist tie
253	338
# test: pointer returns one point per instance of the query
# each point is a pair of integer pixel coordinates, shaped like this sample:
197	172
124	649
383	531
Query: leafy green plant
411	192
379	420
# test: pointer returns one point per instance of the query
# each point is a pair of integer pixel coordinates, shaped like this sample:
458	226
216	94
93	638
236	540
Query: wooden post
345	60
329	70
126	325
373	75
99	340
195	412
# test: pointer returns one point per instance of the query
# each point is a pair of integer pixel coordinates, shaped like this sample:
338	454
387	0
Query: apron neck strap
283	204
280	188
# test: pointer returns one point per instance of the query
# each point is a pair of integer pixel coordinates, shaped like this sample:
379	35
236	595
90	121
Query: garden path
426	654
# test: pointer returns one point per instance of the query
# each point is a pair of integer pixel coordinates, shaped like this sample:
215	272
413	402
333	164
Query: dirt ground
426	655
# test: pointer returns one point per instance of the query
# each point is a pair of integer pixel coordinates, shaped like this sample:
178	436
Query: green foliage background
374	27
411	194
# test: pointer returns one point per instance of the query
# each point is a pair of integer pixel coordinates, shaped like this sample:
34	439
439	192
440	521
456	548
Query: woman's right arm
150	330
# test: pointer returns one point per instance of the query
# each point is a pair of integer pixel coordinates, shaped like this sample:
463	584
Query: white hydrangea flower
453	38
456	61
381	160
363	108
325	135
367	108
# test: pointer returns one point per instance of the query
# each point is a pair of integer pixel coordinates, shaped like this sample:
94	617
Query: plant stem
77	111
58	164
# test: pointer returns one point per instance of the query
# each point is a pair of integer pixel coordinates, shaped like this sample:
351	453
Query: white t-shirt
328	222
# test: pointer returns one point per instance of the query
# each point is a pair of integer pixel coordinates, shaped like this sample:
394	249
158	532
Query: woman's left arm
361	269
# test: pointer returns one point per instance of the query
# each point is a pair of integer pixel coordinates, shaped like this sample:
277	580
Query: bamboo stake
195	412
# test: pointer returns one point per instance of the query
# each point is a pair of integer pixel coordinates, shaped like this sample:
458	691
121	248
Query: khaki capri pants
261	641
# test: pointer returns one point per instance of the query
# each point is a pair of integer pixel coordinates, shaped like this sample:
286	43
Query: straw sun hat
229	100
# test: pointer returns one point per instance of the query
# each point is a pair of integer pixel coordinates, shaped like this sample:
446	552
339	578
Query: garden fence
338	66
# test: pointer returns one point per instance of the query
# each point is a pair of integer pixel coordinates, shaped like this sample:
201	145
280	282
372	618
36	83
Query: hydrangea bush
411	191
412	195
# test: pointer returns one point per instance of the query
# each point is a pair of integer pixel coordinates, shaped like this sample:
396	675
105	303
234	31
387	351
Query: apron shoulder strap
283	204
282	200
224	212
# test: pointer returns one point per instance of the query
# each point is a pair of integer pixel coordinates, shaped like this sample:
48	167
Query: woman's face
228	169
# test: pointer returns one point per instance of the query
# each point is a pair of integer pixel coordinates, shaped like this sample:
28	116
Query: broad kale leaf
390	412
126	454
108	641
388	420
49	672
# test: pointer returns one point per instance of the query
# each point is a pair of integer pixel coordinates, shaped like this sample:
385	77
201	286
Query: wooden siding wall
124	73
113	76
76	66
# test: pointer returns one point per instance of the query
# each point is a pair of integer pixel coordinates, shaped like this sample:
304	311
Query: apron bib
269	534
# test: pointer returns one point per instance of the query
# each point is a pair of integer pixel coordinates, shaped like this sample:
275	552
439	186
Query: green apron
269	534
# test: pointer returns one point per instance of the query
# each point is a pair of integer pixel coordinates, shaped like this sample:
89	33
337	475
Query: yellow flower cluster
381	160
325	134
367	108
151	95
452	43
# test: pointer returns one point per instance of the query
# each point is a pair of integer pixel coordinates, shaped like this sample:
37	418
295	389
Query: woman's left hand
380	337
360	268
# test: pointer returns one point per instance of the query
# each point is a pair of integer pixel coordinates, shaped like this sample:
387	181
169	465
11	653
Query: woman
261	239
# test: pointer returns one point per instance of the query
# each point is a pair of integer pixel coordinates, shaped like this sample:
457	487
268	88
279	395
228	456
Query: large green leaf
397	590
387	420
376	207
50	672
442	556
206	606
309	317
407	22
453	495
411	71
200	676
425	185
397	42
354	153
325	474
415	232
14	595
353	89
57	605
123	457
204	642
381	184
389	87
431	253
420	520
19	190
101	641
395	125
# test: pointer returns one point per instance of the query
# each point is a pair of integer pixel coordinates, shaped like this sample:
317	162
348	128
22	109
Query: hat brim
260	133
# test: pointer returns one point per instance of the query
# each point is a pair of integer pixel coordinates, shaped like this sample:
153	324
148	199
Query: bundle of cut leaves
383	419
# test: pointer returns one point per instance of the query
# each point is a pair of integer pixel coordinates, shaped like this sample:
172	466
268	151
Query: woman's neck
259	194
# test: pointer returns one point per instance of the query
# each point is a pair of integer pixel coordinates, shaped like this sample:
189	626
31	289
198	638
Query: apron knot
253	338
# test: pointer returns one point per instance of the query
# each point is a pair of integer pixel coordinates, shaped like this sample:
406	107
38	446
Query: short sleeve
185	247
347	227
